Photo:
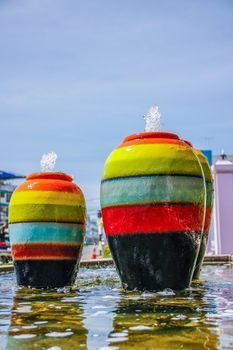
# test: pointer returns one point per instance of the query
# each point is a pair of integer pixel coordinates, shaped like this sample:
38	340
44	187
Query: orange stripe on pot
48	185
152	138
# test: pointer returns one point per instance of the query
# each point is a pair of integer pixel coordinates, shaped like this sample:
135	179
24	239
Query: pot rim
188	143
150	135
50	175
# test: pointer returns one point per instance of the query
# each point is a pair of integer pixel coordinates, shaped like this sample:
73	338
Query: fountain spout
152	119
48	161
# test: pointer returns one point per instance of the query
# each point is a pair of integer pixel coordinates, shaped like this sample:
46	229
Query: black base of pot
45	273
155	261
200	258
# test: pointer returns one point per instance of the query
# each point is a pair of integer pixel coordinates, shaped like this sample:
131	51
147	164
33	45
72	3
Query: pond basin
99	314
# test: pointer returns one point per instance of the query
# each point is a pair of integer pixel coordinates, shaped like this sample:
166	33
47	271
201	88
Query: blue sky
76	77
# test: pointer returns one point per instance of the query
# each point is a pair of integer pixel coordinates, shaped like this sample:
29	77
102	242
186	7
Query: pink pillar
210	248
223	186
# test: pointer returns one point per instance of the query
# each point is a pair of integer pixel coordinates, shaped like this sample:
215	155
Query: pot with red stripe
47	226
153	199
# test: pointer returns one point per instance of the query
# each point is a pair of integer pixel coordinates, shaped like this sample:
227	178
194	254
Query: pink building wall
223	186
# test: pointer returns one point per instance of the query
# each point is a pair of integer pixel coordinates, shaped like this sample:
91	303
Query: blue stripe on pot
148	189
46	232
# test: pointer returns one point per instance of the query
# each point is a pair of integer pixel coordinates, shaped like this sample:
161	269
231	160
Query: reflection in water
165	320
103	288
46	318
220	292
100	315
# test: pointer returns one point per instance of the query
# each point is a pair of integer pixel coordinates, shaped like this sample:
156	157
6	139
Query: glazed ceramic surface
153	207
47	226
209	206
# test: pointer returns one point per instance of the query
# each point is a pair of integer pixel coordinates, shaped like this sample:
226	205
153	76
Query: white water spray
153	119
48	161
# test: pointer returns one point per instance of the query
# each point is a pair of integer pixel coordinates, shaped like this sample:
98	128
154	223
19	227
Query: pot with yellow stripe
153	208
47	226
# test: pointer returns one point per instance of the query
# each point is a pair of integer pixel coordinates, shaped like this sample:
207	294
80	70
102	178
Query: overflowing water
98	314
204	191
153	119
48	161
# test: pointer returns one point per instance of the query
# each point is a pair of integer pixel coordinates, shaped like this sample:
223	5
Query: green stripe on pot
46	232
46	213
153	189
152	159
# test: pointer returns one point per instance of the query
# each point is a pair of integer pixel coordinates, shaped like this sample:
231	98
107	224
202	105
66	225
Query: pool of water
98	314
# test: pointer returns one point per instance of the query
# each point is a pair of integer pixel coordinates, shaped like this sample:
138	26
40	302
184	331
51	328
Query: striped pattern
46	232
153	186
145	219
145	159
209	206
48	185
205	165
35	203
155	210
153	189
151	141
47	213
45	251
47	219
209	187
45	197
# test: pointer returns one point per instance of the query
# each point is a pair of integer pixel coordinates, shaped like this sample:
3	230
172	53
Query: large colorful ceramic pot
209	205
47	226
153	207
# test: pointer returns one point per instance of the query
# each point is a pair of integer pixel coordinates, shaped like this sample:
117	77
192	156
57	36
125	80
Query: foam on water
140	328
167	292
59	334
24	336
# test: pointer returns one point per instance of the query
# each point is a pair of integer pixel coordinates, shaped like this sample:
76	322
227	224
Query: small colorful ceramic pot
153	207
47	226
209	206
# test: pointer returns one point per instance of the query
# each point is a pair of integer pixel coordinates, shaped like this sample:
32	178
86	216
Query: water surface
98	314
